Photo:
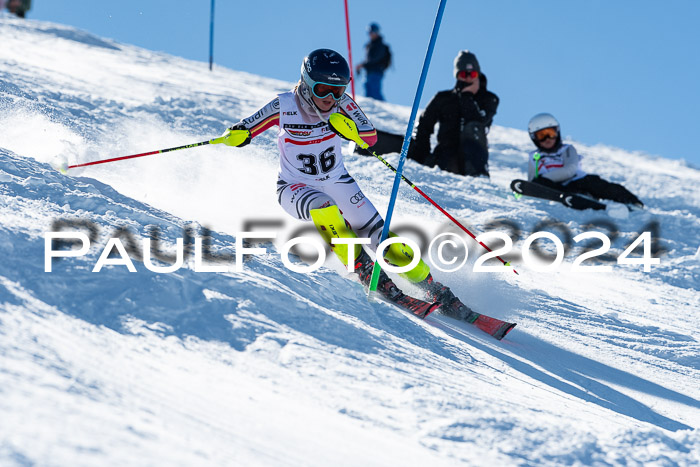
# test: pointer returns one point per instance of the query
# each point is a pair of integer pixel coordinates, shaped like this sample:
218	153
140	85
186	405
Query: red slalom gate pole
347	128
430	200
352	71
454	220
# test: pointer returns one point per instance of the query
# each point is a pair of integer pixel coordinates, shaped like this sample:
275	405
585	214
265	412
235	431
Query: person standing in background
377	60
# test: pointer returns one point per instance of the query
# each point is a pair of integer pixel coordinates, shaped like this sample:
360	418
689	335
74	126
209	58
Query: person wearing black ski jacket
465	114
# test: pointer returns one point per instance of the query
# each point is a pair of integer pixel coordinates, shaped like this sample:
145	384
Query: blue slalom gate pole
407	138
211	37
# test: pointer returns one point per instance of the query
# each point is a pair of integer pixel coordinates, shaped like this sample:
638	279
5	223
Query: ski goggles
463	74
323	90
544	133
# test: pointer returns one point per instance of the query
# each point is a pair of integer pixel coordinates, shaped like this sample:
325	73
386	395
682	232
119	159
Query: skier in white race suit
313	183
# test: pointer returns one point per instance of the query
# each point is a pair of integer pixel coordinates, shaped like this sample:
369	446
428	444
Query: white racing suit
313	183
311	173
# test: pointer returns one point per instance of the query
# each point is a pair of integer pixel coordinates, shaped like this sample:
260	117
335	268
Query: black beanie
466	61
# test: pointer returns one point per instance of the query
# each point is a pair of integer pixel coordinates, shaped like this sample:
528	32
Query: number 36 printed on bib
318	165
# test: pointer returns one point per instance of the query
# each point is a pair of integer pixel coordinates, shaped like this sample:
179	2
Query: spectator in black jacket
377	60
465	114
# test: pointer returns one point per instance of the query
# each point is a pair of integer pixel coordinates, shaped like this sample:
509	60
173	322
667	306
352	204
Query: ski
570	200
389	292
445	302
493	326
415	306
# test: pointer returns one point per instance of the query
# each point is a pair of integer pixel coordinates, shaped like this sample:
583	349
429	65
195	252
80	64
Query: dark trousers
474	150
373	85
594	186
471	157
475	160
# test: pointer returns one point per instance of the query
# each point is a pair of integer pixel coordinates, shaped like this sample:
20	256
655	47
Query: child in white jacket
557	165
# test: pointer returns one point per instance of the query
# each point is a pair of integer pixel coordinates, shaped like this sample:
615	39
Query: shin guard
400	254
331	224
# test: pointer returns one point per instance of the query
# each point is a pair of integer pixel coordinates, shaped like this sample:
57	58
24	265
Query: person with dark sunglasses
465	114
557	165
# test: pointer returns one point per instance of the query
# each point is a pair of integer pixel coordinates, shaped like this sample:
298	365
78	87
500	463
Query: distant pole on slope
211	37
347	29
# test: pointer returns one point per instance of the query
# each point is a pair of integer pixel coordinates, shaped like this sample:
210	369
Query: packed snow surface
267	366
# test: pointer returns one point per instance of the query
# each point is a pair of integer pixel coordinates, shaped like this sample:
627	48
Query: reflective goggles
544	133
467	74
322	90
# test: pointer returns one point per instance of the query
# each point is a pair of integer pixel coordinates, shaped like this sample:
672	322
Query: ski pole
233	138
347	128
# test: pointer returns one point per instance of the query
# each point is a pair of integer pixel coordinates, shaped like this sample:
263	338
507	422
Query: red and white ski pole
231	138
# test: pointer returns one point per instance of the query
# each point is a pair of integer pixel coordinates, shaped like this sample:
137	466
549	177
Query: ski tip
503	330
432	308
635	207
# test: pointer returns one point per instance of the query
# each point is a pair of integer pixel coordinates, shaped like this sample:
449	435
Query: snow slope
272	367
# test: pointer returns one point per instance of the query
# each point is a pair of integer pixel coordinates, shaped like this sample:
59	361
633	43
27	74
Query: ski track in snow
271	367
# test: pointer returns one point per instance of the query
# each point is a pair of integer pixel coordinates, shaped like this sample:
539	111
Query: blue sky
621	73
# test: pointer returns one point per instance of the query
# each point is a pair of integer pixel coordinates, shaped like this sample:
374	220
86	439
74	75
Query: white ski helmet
541	121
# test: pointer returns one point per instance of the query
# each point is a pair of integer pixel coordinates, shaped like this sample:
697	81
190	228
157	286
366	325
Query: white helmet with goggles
538	126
